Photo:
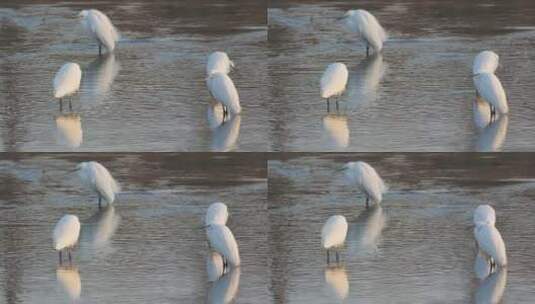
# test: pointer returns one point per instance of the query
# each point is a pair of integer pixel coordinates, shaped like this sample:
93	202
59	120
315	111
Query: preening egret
216	214
224	290
97	178
99	26
336	279
65	235
218	62
67	82
491	289
69	130
215	267
223	91
485	62
333	234
333	81
337	130
490	243
490	88
222	240
69	279
484	215
366	179
368	27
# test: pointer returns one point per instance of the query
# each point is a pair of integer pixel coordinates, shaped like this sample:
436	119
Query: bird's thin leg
336	104
99	49
337	257
492	112
60	259
328	258
367	50
367	201
70	257
225	112
70	105
99	201
328	105
60	105
225	264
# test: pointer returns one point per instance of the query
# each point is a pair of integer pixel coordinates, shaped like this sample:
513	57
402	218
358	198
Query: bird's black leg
225	264
328	258
328	106
492	113
70	105
70	257
60	259
99	49
99	201
60	105
367	50
336	104
367	202
337	257
225	112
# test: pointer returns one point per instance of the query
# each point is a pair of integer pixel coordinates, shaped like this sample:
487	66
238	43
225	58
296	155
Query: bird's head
82	14
80	166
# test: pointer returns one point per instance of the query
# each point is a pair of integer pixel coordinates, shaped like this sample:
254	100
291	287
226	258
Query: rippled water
148	247
418	246
150	95
418	95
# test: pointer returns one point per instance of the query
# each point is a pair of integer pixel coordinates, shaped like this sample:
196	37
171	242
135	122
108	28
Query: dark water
150	96
148	247
418	95
418	246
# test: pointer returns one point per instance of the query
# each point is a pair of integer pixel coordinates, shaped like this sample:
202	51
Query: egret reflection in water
492	133
337	282
69	131
226	288
364	236
364	83
491	289
68	279
214	266
337	130
98	78
100	229
225	129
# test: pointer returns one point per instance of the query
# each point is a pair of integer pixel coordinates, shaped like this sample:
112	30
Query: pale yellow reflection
69	280
337	130
337	282
69	130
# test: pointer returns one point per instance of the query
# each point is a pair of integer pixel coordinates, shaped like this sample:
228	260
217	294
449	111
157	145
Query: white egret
333	81
484	215
481	266
222	240
218	62
97	178
69	130
364	23
491	289
490	243
337	130
69	279
99	26
216	214
65	235
214	266
333	234
67	82
223	91
367	180
490	88
485	62
336	279
224	290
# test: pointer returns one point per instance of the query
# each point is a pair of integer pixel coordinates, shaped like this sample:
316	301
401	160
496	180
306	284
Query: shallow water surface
150	95
149	247
418	94
418	246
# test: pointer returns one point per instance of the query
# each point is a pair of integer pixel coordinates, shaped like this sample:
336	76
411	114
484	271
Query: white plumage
216	214
491	90
492	137
333	233
97	178
215	267
490	242
223	90
224	290
334	80
364	23
491	289
336	279
67	80
218	62
484	215
485	62
222	240
99	26
69	279
69	130
337	130
66	232
366	179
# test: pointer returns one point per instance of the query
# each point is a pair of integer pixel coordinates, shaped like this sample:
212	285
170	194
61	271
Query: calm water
151	95
418	247
418	95
148	247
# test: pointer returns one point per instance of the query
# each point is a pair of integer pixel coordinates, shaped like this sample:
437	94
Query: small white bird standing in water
65	235
67	82
333	235
367	180
99	26
488	238
97	178
333	81
218	62
488	86
217	214
222	241
223	91
485	62
368	27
